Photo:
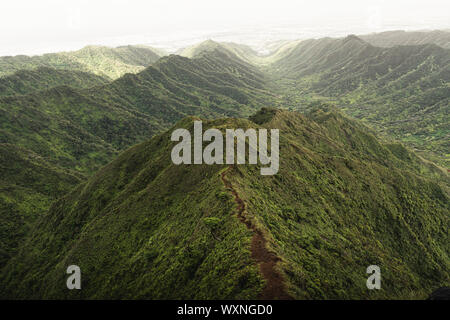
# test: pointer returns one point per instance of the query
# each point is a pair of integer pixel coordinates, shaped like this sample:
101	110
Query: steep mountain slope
28	185
107	62
343	201
399	37
162	244
313	56
69	128
82	130
242	51
143	227
196	49
275	51
28	81
402	91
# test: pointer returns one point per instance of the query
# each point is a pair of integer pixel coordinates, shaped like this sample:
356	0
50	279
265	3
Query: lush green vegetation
145	228
402	92
107	62
28	185
397	82
141	227
343	201
395	38
275	51
42	78
243	52
82	130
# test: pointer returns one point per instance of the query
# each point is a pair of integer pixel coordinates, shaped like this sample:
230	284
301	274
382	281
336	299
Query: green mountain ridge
110	63
242	51
83	129
399	37
29	81
276	51
342	201
72	126
402	91
27	187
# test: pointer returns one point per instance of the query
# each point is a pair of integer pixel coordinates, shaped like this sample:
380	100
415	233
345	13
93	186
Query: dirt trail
267	260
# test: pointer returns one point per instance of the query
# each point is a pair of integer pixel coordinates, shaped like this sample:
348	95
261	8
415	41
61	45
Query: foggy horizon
48	26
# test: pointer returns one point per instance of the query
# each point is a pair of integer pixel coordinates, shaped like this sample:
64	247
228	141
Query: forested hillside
107	62
28	185
395	38
87	179
403	91
29	81
341	201
82	130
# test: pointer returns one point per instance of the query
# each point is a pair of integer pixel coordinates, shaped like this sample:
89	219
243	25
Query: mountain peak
197	49
352	37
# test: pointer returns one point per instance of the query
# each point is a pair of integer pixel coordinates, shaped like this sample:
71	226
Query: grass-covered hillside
110	63
81	130
399	37
143	227
274	51
402	91
29	81
28	185
242	51
342	201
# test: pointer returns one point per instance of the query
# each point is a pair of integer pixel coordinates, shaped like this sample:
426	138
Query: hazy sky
37	26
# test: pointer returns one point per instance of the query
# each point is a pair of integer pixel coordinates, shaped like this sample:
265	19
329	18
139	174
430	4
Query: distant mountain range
28	81
87	177
125	111
107	62
401	88
401	91
82	130
396	38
